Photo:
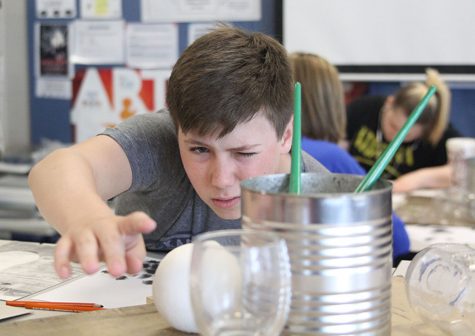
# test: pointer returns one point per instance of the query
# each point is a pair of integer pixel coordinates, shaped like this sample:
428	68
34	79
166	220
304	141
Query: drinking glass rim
269	236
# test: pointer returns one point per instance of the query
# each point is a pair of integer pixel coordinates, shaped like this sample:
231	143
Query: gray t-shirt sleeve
159	186
311	165
150	143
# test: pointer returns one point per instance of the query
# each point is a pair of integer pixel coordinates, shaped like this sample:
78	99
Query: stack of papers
14	168
18	211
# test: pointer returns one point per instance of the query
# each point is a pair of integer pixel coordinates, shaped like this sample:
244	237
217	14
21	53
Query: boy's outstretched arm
71	187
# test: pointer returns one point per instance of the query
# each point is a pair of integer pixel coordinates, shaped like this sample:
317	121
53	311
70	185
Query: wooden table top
141	320
144	320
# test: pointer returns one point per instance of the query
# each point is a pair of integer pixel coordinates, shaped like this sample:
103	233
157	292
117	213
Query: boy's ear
286	140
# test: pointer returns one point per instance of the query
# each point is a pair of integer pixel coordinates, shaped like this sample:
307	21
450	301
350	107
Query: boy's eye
247	154
199	150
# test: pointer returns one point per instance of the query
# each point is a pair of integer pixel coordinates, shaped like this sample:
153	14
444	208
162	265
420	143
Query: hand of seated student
117	240
424	178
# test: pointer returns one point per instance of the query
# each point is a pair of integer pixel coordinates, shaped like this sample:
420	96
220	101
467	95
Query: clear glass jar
440	285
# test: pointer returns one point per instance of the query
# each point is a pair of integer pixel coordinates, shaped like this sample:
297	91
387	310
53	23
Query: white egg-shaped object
171	289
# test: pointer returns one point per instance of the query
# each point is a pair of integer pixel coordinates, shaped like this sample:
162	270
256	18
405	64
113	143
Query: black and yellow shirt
367	141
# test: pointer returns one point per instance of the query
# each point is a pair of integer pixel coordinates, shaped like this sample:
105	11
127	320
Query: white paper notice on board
55	9
98	42
152	46
56	88
196	30
200	10
100	9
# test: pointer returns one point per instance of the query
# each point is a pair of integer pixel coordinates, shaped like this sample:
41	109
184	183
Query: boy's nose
222	174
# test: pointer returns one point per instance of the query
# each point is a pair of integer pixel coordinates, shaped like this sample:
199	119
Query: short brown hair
225	77
323	104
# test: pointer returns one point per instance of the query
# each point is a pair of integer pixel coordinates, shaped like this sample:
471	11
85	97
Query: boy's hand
116	240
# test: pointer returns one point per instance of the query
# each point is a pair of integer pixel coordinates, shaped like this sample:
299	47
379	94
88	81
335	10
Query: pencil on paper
61	306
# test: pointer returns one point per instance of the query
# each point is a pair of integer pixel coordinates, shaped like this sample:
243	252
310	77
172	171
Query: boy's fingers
136	222
121	248
62	259
87	252
131	227
134	263
113	251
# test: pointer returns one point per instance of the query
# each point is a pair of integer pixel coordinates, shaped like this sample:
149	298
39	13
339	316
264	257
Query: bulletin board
94	63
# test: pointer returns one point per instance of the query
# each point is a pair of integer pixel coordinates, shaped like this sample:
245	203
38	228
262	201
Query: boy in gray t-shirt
174	174
182	213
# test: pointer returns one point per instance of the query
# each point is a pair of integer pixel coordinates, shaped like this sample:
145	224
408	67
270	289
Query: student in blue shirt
324	126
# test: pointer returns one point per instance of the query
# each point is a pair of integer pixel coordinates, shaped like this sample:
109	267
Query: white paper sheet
55	9
98	42
102	288
200	10
7	312
27	268
14	168
100	9
196	30
401	269
152	46
53	88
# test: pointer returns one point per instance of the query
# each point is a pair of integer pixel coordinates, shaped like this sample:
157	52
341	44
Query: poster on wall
52	50
101	9
200	10
97	42
104	97
152	45
54	88
55	9
196	30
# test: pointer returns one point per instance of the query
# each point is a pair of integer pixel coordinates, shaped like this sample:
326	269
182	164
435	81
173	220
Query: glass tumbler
440	285
240	282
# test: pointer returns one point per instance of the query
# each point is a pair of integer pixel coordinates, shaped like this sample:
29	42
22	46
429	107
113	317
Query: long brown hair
323	106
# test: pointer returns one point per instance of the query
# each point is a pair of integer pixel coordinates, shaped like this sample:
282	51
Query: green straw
384	159
295	184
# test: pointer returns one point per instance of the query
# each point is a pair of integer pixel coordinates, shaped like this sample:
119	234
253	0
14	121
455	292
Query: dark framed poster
52	50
